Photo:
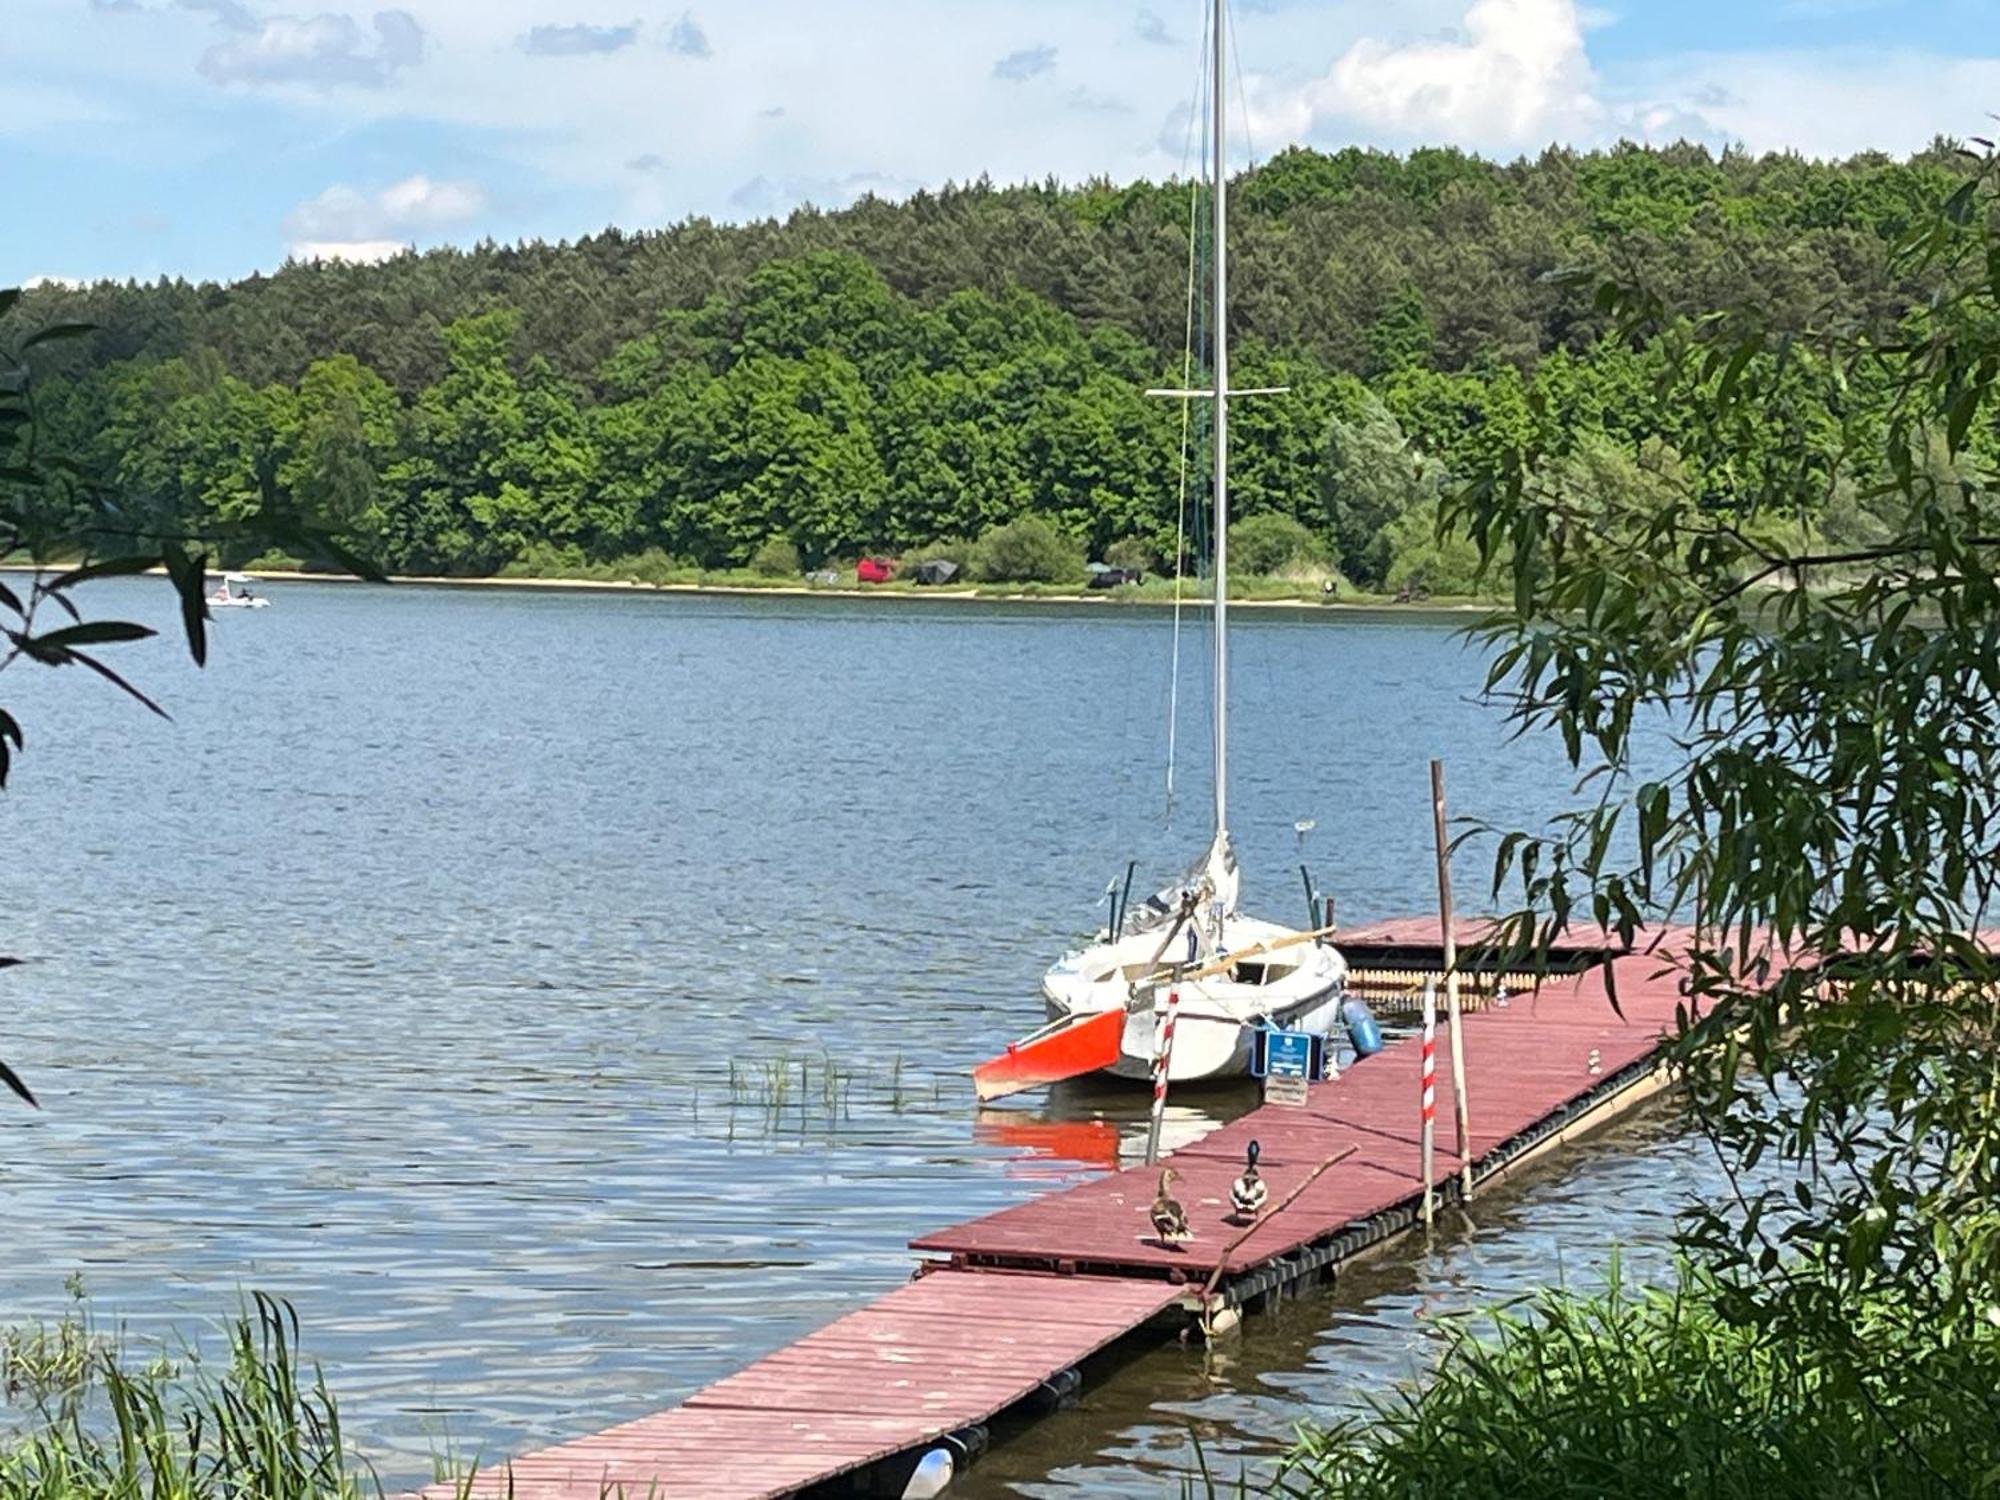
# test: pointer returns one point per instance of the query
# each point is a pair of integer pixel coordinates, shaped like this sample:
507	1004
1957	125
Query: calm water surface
437	966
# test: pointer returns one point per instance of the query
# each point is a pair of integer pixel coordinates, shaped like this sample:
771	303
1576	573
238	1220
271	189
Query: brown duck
1170	1220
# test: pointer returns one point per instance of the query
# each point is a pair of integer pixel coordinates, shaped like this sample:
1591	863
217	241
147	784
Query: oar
1224	965
1215	1279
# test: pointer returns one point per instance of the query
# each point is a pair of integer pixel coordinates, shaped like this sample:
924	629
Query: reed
804	1090
262	1424
1641	1392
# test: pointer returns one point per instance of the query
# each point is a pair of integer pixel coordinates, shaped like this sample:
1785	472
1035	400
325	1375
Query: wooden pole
1454	1017
1427	1099
1163	1055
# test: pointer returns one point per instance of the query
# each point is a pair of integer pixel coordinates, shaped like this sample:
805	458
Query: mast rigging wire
1195	116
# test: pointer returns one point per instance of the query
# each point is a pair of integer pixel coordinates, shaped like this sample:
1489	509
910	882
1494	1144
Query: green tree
1828	797
1029	550
781	446
464	507
1271	543
1402	337
1373	477
777	558
344	435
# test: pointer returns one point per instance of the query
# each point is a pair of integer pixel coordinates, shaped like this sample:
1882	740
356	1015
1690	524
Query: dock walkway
1006	1307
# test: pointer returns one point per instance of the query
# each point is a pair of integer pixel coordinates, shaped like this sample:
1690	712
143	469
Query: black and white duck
1249	1193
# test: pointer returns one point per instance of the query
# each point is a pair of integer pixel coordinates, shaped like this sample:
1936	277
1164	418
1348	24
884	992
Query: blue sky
214	138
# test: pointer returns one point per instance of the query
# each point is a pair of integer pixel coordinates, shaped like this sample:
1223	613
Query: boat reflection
1100	1125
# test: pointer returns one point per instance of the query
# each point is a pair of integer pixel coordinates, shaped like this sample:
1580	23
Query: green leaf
94	633
13	1081
11	741
1733	371
112	567
190	579
1960	418
55	332
117	681
1611	988
315	541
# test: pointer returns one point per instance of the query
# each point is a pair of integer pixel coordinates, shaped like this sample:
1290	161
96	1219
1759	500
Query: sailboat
1235	974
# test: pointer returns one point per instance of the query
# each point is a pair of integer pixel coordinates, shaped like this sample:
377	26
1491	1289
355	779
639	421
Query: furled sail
1212	878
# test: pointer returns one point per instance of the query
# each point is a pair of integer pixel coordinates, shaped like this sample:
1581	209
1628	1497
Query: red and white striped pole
1163	1052
1429	1097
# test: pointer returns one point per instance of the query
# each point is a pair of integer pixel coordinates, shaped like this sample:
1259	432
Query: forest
964	373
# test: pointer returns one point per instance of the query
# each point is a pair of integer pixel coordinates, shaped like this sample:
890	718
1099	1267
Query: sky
215	138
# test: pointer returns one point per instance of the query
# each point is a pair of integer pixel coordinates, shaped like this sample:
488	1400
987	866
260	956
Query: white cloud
763	197
1832	103
688	39
1514	74
230	13
419	203
1088	101
355	252
578	40
1018	67
326	50
343	223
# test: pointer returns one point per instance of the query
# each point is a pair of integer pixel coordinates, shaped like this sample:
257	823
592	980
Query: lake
436	967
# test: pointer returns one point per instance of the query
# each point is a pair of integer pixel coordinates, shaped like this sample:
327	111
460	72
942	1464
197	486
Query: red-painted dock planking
1015	1298
940	1354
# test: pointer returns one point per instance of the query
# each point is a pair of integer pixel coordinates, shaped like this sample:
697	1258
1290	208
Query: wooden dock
1006	1309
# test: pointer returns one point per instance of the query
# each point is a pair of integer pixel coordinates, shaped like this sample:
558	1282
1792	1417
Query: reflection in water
406	972
1103	1124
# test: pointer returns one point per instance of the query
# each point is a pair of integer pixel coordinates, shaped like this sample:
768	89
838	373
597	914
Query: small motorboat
234	592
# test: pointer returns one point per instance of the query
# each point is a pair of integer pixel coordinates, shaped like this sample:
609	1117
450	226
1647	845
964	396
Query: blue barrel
1362	1028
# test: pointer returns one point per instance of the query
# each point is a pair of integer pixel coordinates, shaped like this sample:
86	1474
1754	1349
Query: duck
1170	1220
1248	1193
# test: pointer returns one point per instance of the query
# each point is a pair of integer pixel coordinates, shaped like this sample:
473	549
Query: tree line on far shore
911	378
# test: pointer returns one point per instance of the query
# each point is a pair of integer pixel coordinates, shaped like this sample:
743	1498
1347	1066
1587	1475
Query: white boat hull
1298	987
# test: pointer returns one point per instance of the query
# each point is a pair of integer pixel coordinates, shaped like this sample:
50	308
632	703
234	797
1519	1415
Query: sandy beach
1361	604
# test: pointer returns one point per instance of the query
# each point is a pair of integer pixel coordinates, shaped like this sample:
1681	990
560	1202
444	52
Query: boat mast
1221	326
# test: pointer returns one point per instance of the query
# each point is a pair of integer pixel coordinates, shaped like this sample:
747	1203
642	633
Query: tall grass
260	1424
1656	1393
